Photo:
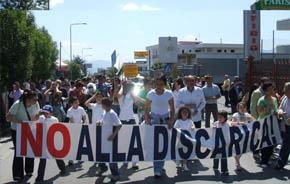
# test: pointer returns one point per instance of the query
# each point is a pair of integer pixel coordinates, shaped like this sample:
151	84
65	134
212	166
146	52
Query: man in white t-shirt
47	117
160	109
76	113
192	97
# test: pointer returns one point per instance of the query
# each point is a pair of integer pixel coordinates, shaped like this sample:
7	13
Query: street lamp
85	64
83	51
70	34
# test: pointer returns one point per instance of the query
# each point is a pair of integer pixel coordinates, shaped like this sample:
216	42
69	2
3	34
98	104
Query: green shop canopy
272	5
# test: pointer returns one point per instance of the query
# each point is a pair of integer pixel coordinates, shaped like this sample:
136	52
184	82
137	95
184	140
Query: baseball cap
47	108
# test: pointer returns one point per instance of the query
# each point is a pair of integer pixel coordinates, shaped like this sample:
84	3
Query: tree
45	54
175	72
25	4
112	72
81	62
157	66
24	48
75	70
16	31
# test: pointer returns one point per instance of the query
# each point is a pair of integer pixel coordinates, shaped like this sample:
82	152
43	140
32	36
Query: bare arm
46	93
118	93
113	135
12	118
84	118
172	113
138	99
71	120
87	103
147	111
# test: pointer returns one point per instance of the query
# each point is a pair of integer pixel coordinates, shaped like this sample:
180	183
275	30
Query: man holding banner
160	110
192	97
267	105
25	109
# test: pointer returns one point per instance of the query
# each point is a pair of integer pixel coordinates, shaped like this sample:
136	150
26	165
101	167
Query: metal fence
278	72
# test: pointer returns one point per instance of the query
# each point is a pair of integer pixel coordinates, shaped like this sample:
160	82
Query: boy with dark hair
110	119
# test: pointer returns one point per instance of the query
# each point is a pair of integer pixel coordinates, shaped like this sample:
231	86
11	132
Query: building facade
197	58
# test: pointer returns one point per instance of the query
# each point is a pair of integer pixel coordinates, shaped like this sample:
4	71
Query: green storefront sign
273	5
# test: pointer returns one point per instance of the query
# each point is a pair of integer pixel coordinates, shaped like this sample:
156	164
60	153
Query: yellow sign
141	54
130	70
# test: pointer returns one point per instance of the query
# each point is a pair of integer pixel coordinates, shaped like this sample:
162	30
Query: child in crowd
47	117
110	119
97	110
184	122
76	114
222	122
240	118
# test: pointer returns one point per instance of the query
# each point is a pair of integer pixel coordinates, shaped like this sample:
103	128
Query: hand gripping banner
142	142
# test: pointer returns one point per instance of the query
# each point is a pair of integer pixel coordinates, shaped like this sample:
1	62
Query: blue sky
129	25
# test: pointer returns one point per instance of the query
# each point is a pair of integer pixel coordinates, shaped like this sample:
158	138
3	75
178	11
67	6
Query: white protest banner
142	142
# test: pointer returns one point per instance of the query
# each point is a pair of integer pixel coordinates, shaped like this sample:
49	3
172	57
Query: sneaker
70	163
100	171
29	174
239	168
157	175
225	173
256	157
264	165
17	179
115	178
135	166
38	180
185	168
62	172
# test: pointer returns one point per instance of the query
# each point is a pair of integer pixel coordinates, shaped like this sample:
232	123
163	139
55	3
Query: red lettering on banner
27	136
66	140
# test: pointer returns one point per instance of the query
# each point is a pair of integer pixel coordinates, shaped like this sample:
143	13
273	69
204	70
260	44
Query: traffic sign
130	70
167	68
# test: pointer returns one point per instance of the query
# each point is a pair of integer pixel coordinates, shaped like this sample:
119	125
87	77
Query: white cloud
53	3
145	7
138	7
130	7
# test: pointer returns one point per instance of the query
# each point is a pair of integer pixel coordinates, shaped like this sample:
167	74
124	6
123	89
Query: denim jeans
159	119
158	167
210	109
